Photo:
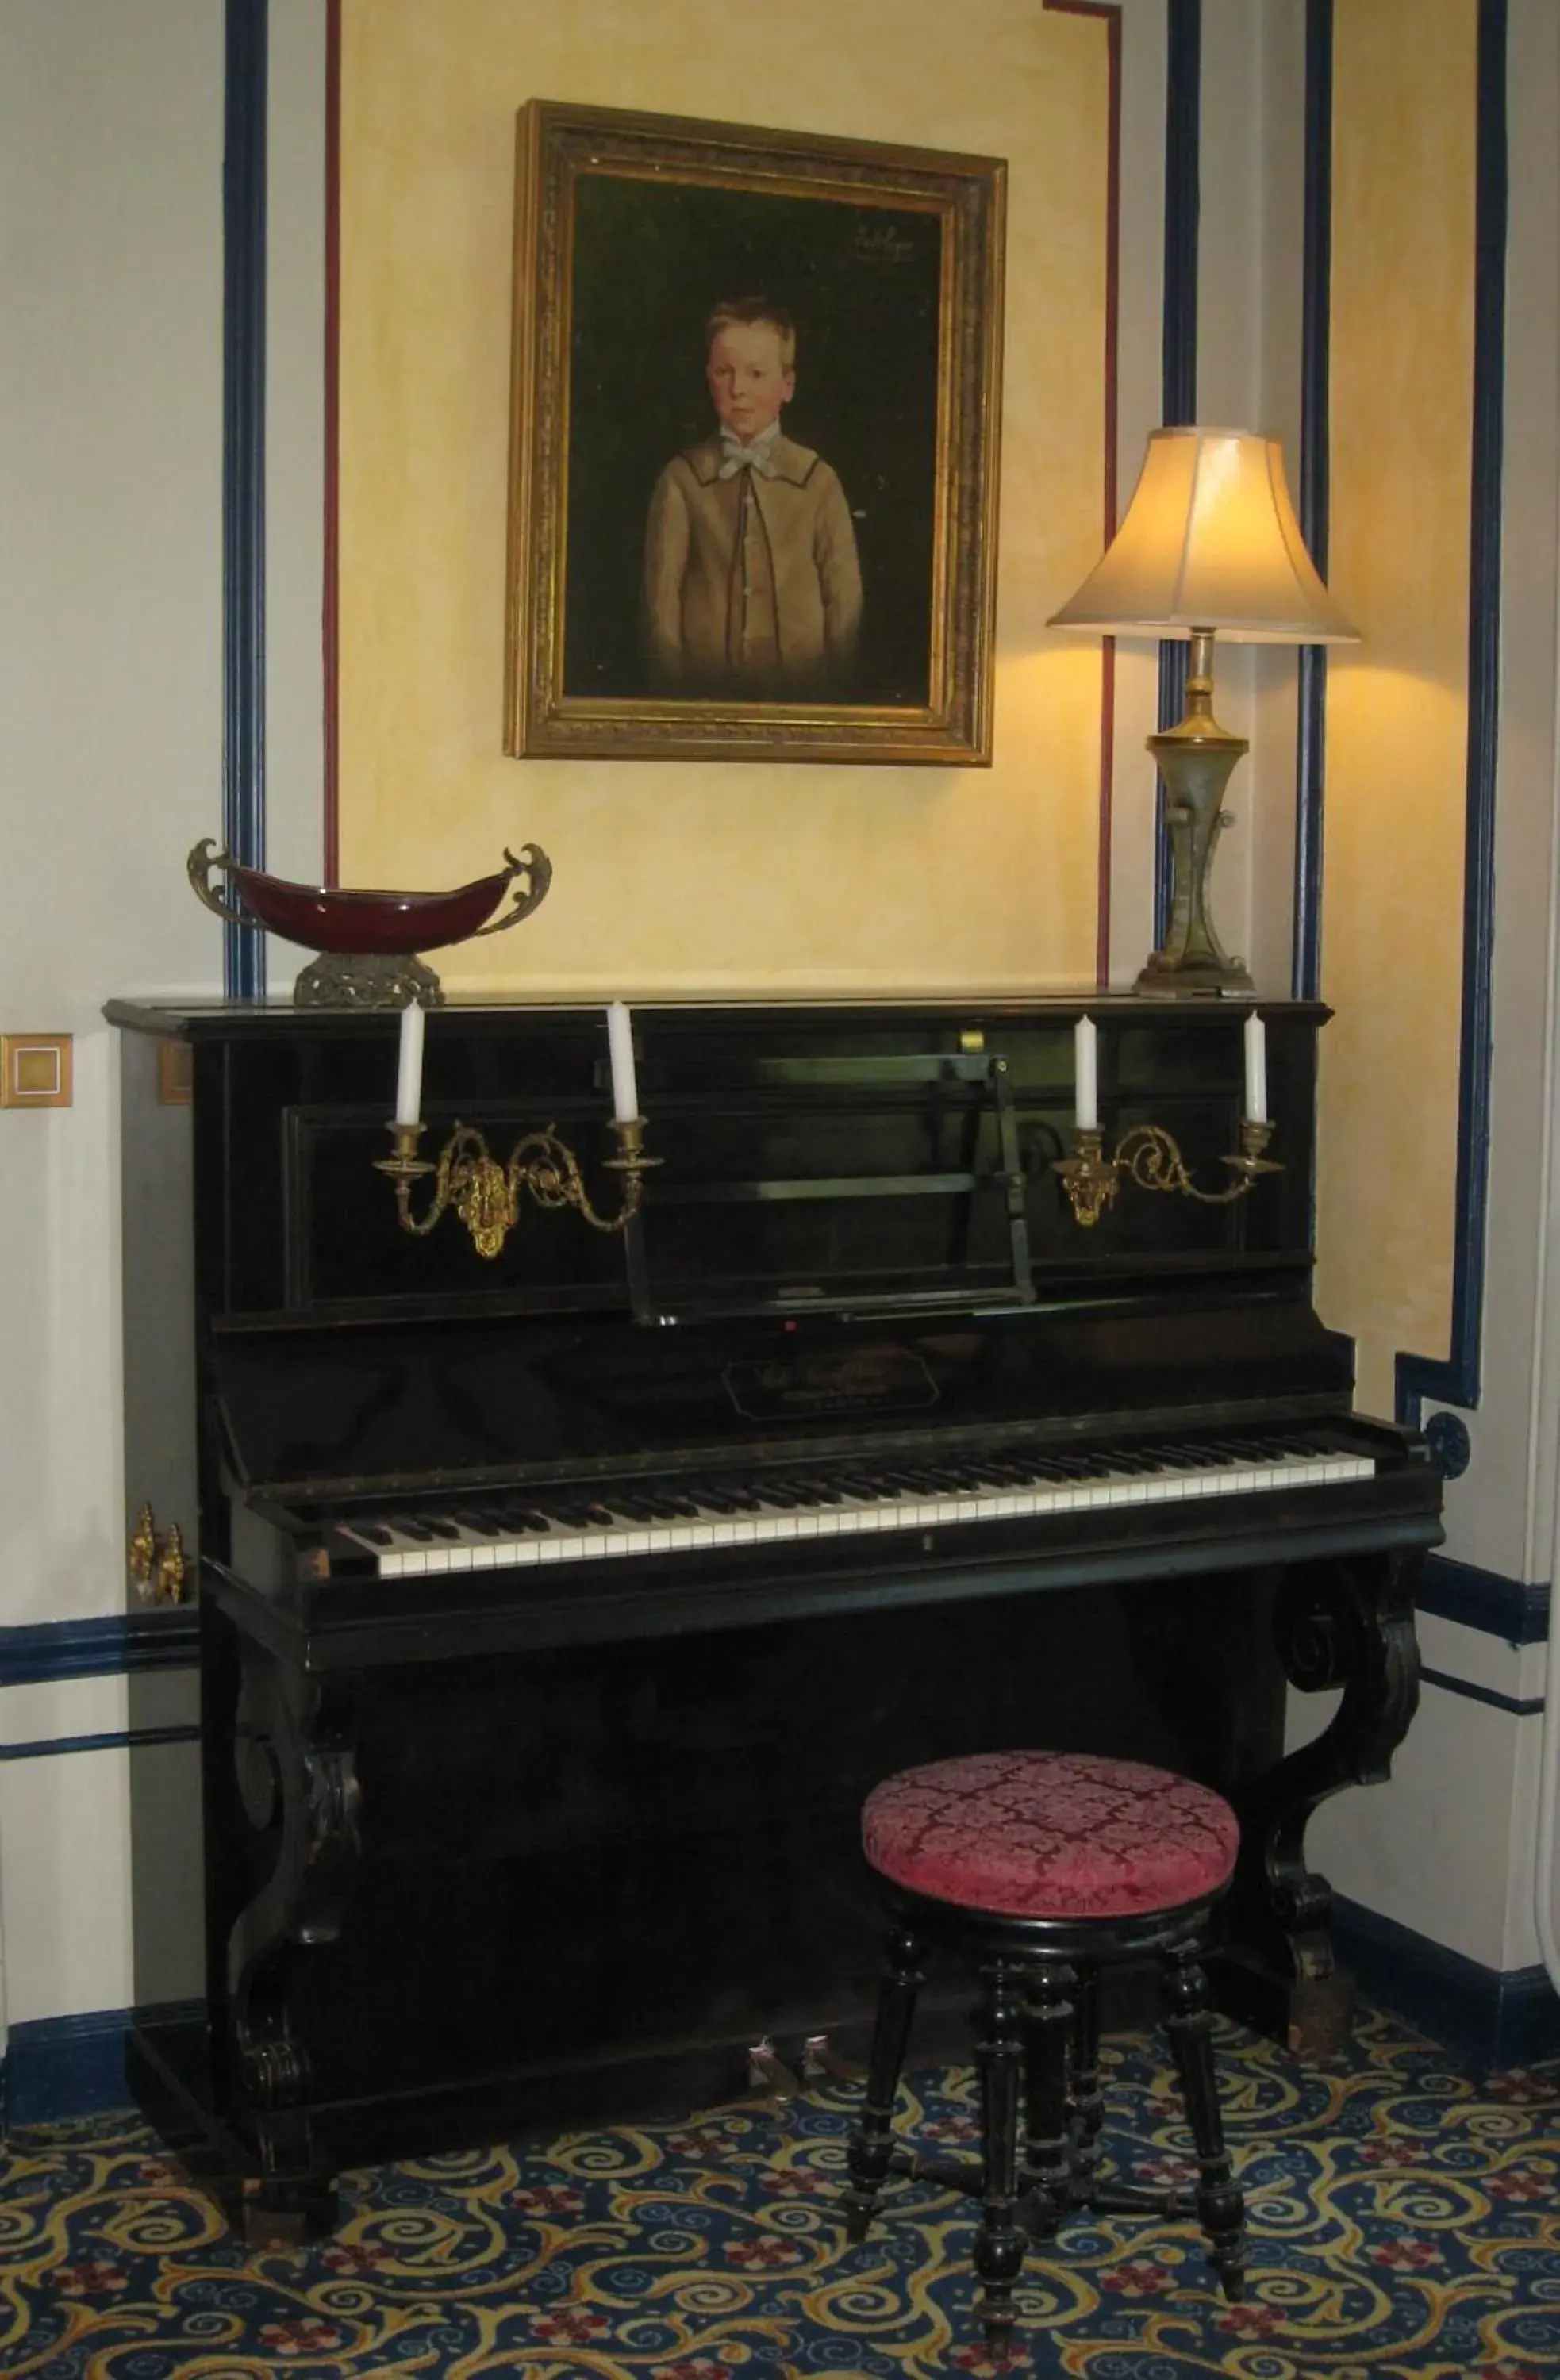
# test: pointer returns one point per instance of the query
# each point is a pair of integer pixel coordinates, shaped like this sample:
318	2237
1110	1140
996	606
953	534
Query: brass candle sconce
486	1194
1148	1155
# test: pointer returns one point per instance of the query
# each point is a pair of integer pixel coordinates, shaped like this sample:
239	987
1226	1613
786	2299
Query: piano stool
1040	1869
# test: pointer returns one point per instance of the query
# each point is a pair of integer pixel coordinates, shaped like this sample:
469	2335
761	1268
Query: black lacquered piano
559	1604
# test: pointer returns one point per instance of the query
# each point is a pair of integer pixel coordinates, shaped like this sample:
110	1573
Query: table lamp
1210	545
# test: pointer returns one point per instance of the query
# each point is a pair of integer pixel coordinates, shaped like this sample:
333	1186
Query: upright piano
558	1604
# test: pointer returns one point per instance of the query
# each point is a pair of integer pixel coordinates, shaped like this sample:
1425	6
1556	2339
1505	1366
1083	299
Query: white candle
620	1047
409	1073
1086	1074
1256	1070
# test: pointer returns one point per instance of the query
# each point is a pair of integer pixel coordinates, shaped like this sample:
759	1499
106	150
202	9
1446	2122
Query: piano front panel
616	1850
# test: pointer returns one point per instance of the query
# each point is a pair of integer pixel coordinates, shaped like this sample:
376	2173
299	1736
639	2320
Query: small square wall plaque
36	1070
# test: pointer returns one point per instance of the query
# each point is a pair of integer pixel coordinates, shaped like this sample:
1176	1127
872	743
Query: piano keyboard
510	1530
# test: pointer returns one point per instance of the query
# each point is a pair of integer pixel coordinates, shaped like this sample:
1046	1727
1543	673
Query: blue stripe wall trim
1183	118
61	2066
1484	1600
126	1739
1183	135
243	470
98	1649
1487	2018
1456	1380
1316	332
1519	1707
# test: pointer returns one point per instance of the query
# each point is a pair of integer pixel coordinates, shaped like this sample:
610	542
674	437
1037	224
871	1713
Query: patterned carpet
1405	2221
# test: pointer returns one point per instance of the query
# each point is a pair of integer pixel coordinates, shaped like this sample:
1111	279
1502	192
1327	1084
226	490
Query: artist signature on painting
882	243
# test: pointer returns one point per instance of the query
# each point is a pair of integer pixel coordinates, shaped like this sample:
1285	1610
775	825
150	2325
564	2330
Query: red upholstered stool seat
1041	1870
1050	1834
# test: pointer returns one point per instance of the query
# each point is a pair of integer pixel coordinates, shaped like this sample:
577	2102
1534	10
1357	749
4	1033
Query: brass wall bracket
486	1196
1148	1155
158	1568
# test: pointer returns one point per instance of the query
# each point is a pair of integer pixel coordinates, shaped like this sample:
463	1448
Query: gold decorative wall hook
156	1557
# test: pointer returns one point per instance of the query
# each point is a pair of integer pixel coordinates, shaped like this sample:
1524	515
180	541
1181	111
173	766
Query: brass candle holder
486	1196
1148	1155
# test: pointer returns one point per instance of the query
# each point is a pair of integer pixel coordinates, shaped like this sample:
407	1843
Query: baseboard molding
1489	2019
57	2068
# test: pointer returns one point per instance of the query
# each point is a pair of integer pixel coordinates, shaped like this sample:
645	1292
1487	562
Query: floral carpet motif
1404	2223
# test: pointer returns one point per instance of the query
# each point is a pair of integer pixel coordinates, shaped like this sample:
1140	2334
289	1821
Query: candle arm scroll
1148	1155
486	1194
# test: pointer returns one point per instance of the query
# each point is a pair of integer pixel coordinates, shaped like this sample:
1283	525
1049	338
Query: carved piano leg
1349	1624
301	1731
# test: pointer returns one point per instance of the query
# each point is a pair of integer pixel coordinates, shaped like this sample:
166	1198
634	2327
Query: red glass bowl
363	924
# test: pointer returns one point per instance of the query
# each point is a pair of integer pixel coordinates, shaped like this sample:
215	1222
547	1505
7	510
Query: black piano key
412	1526
511	1520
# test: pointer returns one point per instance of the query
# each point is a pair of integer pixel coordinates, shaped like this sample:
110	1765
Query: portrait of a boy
752	582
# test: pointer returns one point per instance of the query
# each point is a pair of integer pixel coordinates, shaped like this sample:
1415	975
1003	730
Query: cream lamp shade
1209	540
1210	548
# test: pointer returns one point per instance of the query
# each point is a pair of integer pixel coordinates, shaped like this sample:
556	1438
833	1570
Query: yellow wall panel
1402	383
707	876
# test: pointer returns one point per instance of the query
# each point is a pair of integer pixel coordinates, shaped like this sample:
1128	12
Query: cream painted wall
111	127
1404	87
1248	342
1448	1847
1139	365
677	877
295	451
110	143
111	735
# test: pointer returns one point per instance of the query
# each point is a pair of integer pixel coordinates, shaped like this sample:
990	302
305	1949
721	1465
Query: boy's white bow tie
745	458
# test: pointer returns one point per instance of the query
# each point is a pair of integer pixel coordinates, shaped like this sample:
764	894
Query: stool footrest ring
1037	2202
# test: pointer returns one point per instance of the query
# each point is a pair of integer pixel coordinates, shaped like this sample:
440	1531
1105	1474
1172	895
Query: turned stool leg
871	2144
1086	2105
999	2054
1048	2025
1189	2021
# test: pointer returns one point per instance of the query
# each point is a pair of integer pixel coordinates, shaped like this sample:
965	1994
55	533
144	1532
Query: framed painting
755	415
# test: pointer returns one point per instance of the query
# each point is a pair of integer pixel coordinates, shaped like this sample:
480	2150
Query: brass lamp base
1195	759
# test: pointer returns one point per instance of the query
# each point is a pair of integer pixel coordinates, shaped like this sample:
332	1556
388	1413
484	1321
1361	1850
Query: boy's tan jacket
693	589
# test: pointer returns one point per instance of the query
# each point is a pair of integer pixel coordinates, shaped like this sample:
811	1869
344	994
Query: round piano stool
1040	1869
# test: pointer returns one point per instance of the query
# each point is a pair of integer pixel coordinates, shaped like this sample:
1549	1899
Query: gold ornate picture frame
754	434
